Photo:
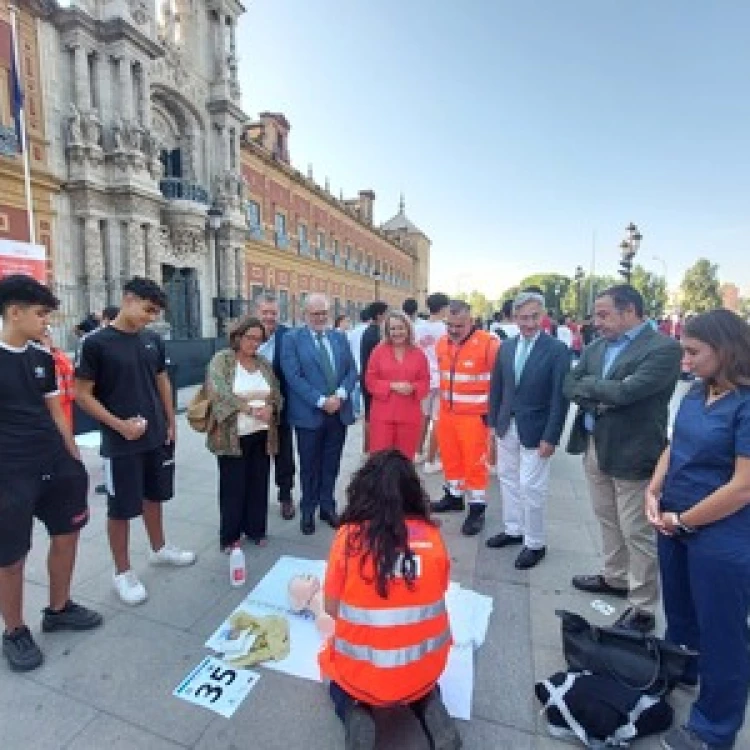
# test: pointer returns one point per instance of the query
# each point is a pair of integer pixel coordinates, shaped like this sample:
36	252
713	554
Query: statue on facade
134	136
92	129
117	134
75	134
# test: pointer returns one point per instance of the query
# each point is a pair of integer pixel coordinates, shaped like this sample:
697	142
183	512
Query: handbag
637	661
199	410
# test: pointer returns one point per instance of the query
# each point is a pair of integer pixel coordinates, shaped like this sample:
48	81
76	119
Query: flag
16	102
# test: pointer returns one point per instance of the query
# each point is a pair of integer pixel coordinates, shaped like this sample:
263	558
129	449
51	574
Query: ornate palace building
145	163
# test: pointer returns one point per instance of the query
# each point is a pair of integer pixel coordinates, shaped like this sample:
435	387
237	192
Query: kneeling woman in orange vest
385	585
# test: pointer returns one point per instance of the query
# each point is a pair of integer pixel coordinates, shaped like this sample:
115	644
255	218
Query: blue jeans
706	590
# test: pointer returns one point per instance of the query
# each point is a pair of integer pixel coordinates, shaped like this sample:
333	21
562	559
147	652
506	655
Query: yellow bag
199	411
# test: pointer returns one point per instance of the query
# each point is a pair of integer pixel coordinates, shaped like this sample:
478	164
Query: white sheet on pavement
468	611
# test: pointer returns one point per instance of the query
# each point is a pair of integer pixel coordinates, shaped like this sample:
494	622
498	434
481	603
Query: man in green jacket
622	386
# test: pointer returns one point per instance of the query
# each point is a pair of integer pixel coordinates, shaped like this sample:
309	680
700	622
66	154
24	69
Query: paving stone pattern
113	688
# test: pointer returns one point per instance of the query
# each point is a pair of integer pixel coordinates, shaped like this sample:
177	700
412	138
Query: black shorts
57	499
141	476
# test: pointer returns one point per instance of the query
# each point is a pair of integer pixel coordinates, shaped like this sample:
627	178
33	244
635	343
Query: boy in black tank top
41	474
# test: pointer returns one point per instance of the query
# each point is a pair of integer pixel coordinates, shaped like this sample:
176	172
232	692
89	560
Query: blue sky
519	128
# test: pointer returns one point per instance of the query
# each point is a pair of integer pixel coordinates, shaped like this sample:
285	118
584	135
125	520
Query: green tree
579	306
554	287
653	289
744	310
699	291
480	305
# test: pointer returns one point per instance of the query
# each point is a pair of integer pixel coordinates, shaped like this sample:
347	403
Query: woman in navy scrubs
699	501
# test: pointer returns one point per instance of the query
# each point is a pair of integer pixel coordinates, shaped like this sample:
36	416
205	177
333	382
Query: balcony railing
175	188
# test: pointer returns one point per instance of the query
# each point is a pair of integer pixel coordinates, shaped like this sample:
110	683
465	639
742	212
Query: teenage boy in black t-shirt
122	382
41	474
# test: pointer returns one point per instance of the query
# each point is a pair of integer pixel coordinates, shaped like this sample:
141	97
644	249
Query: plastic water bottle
237	572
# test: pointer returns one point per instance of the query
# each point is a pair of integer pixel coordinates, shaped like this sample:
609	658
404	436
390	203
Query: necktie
327	365
522	354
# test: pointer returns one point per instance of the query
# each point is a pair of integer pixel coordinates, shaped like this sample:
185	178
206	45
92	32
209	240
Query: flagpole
22	127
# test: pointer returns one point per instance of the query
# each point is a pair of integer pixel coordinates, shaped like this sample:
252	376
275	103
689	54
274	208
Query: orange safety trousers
463	439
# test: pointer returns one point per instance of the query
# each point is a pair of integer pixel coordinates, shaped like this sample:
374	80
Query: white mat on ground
469	614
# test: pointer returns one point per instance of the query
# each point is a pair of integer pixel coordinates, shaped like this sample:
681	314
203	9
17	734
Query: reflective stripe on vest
391	658
464	398
460	377
385	618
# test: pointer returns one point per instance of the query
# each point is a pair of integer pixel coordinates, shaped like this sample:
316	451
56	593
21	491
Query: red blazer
383	369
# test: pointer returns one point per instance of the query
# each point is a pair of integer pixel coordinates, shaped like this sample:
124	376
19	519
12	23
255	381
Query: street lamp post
215	215
628	250
579	276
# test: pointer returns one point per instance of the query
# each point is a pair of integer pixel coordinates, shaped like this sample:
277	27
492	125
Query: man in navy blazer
526	416
320	375
283	461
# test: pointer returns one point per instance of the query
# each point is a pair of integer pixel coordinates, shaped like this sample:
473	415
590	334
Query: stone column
146	92
153	252
93	260
230	271
81	83
126	89
242	290
136	250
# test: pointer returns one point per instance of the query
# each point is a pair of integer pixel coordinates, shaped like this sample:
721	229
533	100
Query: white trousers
524	479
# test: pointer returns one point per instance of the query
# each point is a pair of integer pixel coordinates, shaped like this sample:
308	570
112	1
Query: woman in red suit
398	377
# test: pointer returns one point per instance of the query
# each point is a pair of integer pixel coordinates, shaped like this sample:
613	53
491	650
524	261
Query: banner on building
23	257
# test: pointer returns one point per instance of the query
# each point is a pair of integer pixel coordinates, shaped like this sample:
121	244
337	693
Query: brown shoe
288	510
595	584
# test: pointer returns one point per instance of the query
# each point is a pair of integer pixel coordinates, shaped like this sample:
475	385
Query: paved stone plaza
113	688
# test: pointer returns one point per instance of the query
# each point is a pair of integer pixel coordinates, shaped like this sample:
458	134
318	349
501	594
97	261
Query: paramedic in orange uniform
466	356
385	585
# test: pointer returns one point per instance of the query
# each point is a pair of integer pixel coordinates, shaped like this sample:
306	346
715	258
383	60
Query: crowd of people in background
437	391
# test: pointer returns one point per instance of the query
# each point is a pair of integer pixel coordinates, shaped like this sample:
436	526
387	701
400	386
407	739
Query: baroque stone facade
161	174
143	107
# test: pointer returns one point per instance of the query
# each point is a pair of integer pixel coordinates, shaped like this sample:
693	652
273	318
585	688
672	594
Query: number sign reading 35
217	686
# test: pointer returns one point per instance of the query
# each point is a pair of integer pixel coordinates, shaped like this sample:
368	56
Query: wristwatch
683	527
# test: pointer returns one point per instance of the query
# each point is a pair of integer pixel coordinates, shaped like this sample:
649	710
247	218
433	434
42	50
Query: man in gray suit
623	385
526	416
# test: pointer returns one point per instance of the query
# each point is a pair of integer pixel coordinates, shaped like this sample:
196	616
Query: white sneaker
129	588
419	458
432	467
171	555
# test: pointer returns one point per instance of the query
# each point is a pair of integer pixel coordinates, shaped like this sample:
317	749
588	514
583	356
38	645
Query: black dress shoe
474	521
287	510
307	523
596	584
503	540
447	503
330	517
528	558
636	620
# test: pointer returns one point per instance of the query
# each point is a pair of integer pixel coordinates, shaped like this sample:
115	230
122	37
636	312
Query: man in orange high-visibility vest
466	356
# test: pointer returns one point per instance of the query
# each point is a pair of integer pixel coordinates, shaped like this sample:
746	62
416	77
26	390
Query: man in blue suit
320	374
526	416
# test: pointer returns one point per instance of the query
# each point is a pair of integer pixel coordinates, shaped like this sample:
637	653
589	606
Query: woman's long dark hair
729	336
381	496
